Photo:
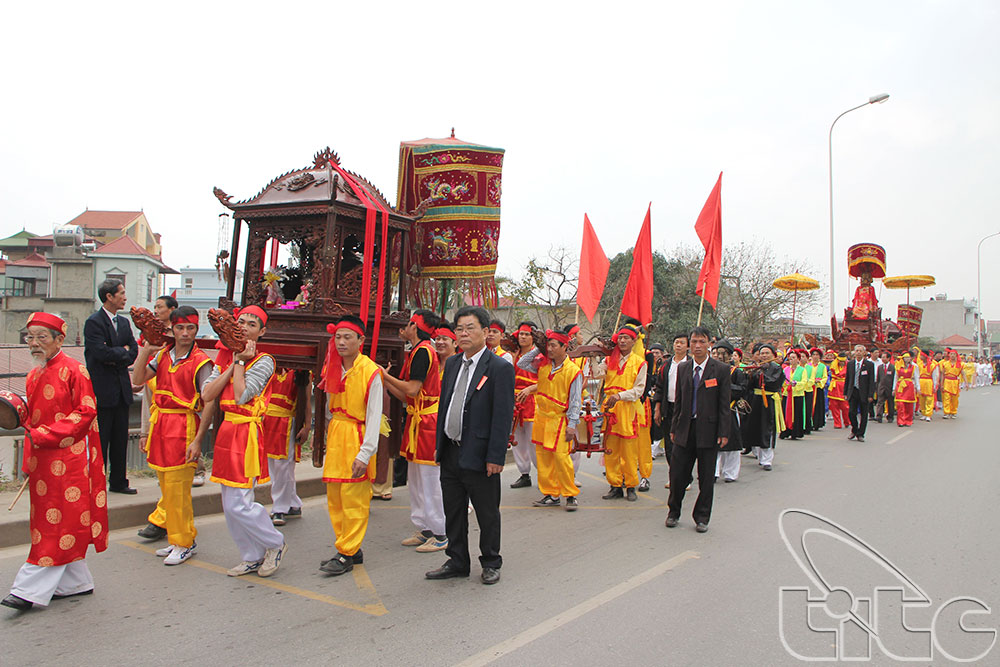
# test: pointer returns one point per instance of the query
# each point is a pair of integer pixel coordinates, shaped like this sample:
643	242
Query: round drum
908	318
13	410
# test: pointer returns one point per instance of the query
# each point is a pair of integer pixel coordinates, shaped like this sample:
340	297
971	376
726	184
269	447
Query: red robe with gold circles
63	461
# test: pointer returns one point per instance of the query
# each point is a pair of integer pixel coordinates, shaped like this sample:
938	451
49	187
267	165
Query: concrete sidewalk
125	511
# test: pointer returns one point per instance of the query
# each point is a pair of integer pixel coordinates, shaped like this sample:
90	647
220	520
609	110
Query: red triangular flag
594	265
174	294
638	299
709	228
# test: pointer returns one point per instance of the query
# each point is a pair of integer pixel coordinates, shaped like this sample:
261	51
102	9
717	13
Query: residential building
944	317
106	226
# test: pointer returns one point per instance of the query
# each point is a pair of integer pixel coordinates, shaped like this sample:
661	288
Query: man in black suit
700	425
109	349
885	380
859	385
663	391
475	415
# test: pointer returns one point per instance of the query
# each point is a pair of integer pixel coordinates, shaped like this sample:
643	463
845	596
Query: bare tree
546	291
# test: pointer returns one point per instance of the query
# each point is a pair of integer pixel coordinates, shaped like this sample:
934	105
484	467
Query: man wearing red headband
623	386
494	333
951	369
928	381
241	384
353	383
176	429
524	408
558	396
838	397
419	387
62	457
445	344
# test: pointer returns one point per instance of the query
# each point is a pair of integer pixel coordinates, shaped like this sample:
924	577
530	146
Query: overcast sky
601	107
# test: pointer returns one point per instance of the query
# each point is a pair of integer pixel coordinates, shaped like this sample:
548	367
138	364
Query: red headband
252	310
625	330
332	328
49	321
185	319
557	336
497	327
574	330
447	333
422	324
524	328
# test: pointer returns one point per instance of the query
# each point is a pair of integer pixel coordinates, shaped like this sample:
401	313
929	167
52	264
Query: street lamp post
979	298
876	99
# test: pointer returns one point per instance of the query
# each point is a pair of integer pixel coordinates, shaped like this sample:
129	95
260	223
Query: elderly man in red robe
66	472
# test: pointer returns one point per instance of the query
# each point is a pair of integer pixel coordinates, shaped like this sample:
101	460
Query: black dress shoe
522	482
127	490
152	532
702	527
615	492
15	602
56	596
630	496
447	571
339	564
357	559
491	575
671	522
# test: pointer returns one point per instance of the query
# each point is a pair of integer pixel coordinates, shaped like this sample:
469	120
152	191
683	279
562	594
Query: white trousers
524	451
249	524
657	448
426	503
575	458
38	584
283	492
727	465
764	456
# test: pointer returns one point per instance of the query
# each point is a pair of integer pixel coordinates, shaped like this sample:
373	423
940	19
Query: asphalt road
608	584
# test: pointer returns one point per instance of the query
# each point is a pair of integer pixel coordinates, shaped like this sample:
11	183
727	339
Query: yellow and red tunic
420	438
952	376
906	391
63	460
525	410
623	419
838	378
173	415
551	403
346	431
279	418
239	457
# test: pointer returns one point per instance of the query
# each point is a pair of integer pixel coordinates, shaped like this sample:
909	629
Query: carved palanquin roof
310	190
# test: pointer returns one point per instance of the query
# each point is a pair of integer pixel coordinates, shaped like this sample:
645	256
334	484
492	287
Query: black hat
656	346
725	345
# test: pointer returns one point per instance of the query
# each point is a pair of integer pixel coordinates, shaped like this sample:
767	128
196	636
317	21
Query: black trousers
885	397
113	425
807	418
458	487
682	460
819	410
857	412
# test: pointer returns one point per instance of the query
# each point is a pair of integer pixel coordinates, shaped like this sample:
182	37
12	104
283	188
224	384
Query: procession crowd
471	391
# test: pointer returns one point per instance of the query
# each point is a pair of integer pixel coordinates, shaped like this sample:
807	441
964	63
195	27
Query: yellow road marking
361	580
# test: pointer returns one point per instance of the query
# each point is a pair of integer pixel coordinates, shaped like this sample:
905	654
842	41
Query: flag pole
702	304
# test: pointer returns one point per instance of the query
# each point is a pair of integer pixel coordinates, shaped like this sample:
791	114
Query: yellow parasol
901	282
795	282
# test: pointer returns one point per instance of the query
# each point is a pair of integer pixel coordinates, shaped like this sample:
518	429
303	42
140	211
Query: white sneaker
272	559
180	554
199	479
245	567
165	551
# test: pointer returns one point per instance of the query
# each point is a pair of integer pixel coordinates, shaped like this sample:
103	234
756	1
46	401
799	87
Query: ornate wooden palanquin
323	222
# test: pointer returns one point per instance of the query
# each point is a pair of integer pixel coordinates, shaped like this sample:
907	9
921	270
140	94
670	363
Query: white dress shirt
472	369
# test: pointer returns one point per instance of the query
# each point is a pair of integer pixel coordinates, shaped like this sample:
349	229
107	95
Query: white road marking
531	634
898	438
